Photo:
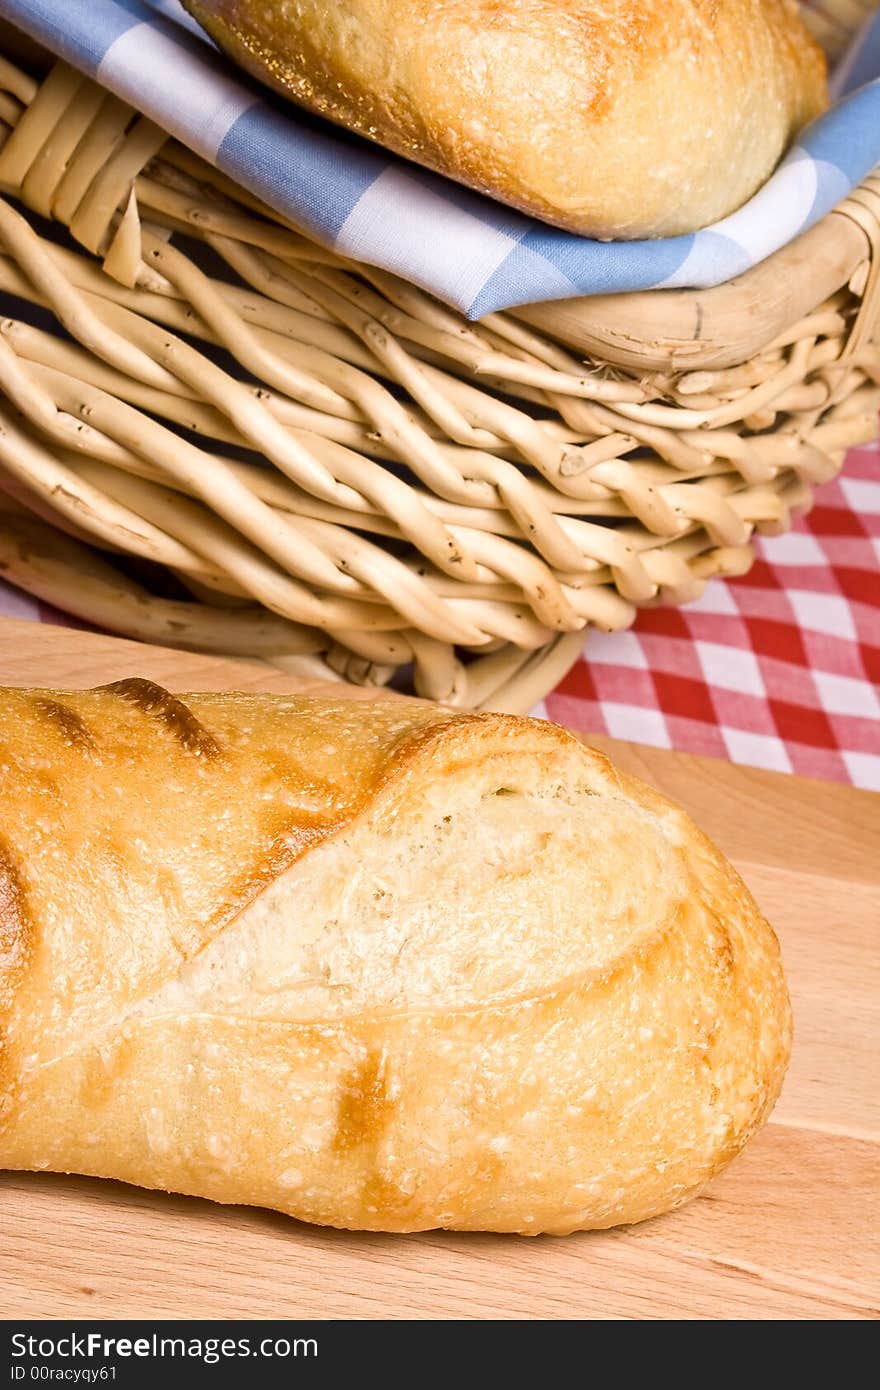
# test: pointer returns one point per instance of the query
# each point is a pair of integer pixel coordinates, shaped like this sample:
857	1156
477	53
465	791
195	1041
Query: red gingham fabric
779	669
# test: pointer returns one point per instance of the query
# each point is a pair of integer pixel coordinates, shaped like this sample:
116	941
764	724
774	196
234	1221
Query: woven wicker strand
340	475
834	22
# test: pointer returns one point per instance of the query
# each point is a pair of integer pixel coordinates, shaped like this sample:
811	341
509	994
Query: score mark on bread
170	711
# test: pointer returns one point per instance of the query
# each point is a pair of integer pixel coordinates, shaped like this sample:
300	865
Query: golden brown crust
15	929
306	955
138	781
76	733
613	118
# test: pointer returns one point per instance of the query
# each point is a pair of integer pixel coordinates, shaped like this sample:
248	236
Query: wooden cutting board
789	1231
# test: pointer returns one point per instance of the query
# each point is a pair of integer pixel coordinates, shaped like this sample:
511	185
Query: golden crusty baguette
613	118
374	965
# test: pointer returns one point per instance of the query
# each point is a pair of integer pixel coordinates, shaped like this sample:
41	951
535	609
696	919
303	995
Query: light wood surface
790	1231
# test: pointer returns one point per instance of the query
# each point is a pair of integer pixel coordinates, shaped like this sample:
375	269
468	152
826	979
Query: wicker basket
834	22
243	443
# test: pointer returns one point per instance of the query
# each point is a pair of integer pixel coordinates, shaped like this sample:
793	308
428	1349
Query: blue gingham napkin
468	250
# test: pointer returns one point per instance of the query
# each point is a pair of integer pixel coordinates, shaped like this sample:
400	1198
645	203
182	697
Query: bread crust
611	118
545	1069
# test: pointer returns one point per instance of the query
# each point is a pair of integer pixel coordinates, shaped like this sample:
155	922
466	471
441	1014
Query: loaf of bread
612	118
374	965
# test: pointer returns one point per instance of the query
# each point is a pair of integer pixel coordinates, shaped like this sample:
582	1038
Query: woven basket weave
834	22
243	443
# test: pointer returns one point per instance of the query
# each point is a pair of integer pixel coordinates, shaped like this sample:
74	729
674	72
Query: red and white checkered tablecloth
778	669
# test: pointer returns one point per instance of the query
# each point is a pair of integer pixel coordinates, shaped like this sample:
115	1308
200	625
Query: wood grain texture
789	1231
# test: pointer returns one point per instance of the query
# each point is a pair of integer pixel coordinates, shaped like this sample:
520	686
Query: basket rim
674	330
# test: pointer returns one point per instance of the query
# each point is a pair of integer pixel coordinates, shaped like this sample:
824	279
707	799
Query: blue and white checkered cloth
372	206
